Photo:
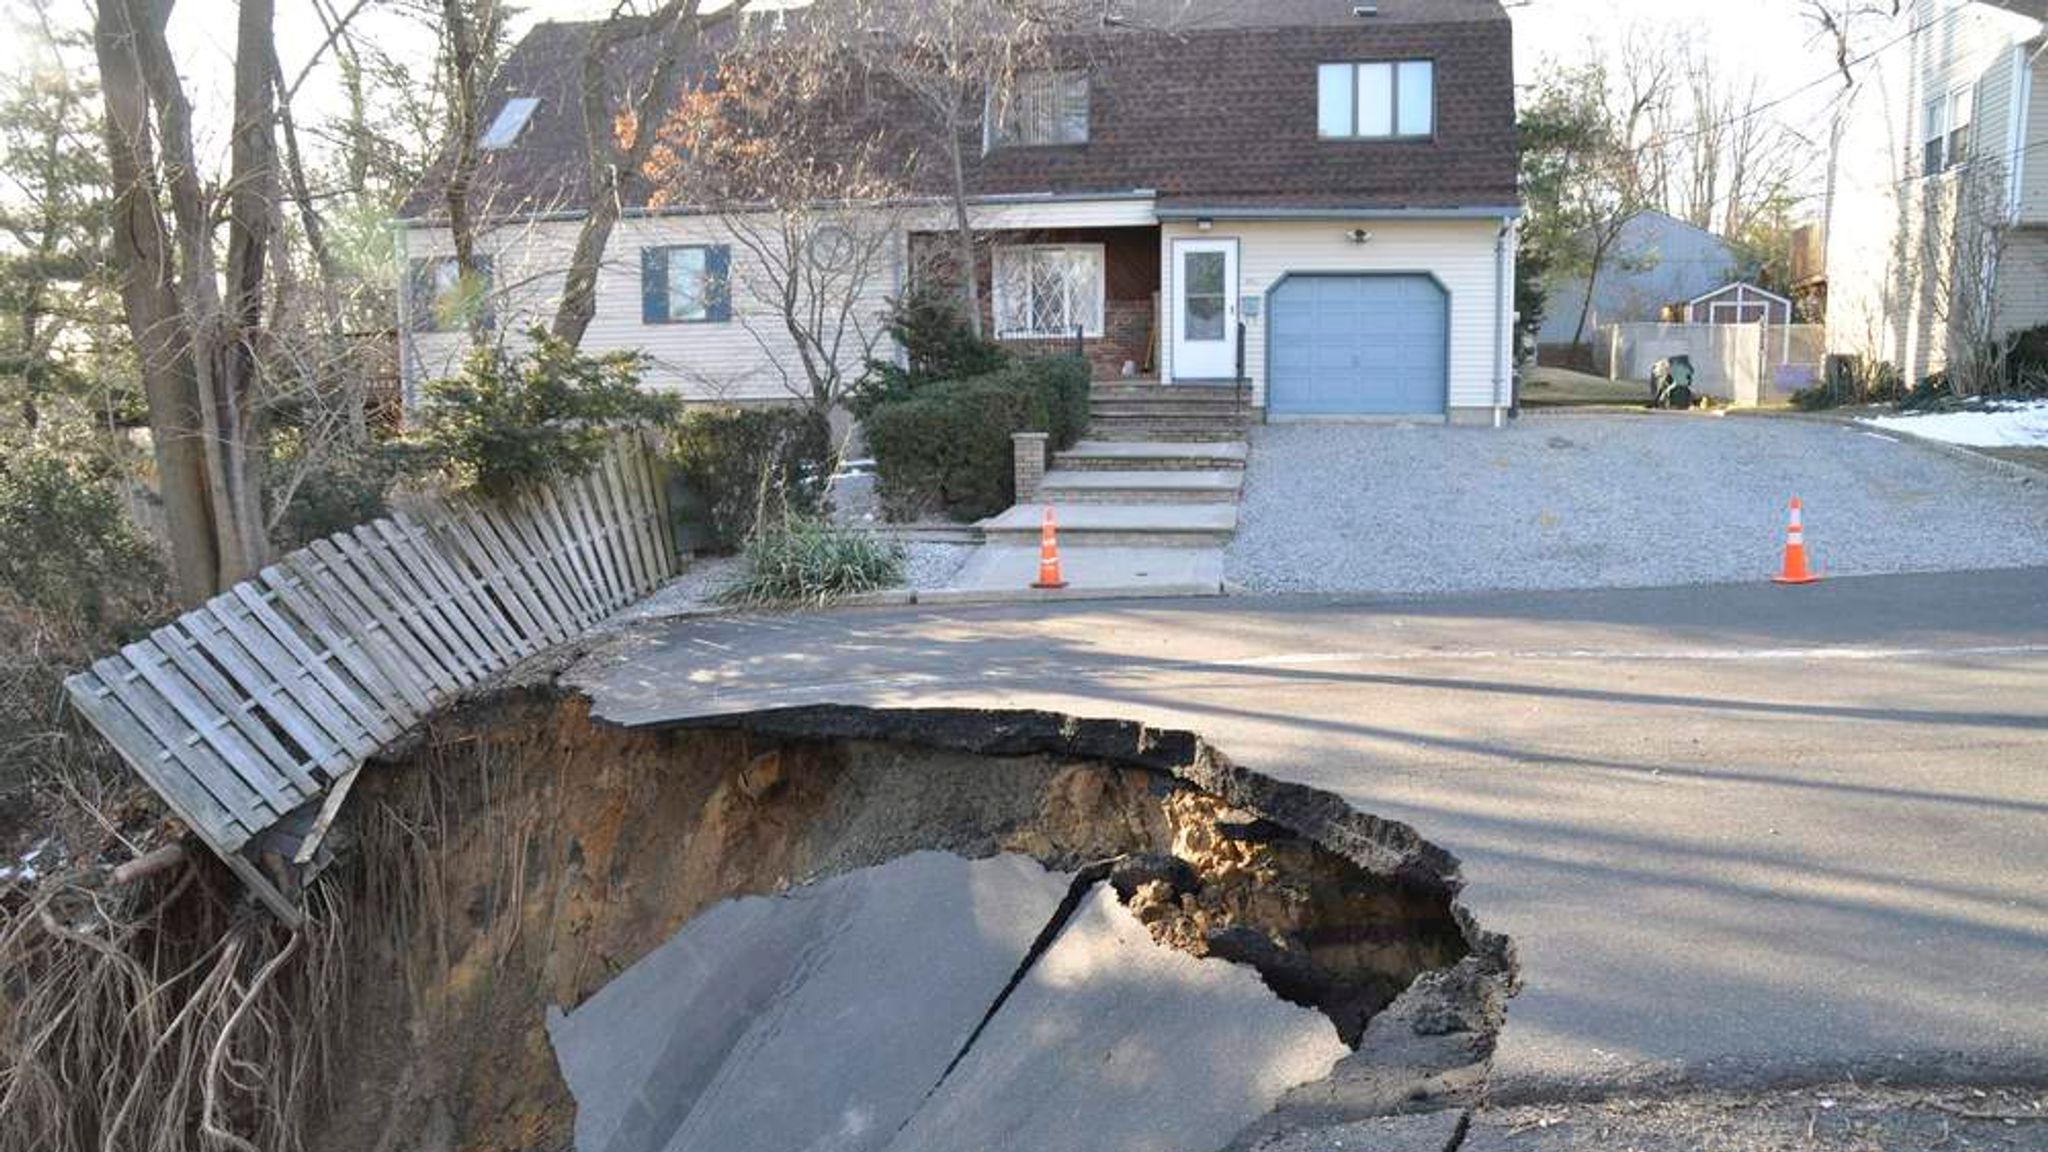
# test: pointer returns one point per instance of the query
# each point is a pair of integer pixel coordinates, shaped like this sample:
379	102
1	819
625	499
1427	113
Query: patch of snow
2022	425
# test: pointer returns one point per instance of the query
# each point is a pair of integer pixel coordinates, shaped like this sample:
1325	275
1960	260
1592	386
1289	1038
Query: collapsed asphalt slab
818	1019
1114	1043
905	1007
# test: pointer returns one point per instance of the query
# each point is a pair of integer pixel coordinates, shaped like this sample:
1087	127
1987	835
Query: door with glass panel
1205	310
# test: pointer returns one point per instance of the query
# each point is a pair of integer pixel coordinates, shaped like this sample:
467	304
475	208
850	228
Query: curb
2011	469
957	596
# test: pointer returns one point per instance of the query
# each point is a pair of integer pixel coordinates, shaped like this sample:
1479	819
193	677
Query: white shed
1739	303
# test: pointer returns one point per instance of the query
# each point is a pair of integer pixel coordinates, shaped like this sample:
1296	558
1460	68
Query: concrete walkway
1742	835
1162	475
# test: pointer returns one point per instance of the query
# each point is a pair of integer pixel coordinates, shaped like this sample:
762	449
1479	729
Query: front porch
1091	291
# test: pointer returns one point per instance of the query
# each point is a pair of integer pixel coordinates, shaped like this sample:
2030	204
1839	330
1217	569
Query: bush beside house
945	448
752	467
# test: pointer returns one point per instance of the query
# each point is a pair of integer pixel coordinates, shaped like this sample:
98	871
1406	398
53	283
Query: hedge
746	465
946	449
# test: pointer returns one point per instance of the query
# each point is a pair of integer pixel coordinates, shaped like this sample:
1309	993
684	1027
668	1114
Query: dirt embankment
522	855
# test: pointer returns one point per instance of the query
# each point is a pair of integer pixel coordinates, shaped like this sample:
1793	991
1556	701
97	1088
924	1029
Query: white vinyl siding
1891	241
1459	253
734	361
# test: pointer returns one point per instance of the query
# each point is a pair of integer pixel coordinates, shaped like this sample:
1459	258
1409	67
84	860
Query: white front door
1205	309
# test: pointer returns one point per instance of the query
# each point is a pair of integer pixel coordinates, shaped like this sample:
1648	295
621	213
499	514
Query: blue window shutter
419	301
654	285
718	284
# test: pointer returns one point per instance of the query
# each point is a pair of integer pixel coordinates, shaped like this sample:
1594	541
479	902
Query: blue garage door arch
1359	345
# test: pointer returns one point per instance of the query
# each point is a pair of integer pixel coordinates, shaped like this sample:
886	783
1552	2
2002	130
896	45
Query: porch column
1028	449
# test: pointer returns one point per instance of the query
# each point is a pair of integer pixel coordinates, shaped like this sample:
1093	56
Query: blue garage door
1358	346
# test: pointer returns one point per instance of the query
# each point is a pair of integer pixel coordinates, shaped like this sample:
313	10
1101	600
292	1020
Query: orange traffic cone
1049	576
1796	569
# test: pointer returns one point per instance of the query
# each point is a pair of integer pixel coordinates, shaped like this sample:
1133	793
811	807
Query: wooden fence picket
266	700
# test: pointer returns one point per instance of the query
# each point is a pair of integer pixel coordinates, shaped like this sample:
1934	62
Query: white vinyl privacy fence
1747	365
251	714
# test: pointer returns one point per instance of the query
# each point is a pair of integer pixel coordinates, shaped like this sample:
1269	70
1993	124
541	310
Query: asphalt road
1742	835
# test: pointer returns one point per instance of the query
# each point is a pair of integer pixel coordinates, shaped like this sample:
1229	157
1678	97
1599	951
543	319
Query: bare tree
471	32
793	153
1974	210
957	61
619	140
198	325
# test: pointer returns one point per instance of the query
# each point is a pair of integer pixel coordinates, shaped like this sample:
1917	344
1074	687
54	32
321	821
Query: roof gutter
1008	199
1471	212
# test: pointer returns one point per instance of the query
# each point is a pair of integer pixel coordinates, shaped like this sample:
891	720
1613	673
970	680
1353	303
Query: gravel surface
687	594
933	566
1624	501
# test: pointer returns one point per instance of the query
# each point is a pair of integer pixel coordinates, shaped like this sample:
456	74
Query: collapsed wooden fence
251	714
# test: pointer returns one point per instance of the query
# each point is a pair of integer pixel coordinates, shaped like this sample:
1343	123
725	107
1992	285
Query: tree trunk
1600	250
678	24
963	224
465	52
143	265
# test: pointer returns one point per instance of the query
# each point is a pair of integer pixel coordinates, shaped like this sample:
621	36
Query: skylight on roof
510	123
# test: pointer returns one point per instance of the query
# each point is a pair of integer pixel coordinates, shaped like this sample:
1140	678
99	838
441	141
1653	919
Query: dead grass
1565	388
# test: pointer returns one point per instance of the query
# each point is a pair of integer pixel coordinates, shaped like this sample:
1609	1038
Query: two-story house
1937	223
1318	195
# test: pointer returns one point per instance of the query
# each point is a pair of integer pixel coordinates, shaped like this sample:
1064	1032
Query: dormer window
510	123
1383	100
1041	109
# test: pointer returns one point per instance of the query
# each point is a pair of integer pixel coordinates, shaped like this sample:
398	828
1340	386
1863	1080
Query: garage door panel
1358	345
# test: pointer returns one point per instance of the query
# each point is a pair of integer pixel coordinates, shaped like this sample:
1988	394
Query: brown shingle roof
1221	110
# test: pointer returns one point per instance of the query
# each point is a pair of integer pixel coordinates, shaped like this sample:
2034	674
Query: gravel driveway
1623	501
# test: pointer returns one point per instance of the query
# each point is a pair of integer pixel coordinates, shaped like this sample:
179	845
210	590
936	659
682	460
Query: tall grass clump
806	562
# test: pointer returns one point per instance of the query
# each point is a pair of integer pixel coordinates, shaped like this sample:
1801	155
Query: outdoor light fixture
1204	223
1360	236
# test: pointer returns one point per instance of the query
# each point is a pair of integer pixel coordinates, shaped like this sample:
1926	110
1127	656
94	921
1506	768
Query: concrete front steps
1151	456
1139	412
1148	486
1117	525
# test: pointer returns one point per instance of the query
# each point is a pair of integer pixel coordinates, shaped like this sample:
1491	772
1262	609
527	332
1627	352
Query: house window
1377	101
442	301
1042	108
686	284
1049	290
510	123
1945	135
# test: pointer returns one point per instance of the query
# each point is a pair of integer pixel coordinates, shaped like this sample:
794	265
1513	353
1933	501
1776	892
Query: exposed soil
522	855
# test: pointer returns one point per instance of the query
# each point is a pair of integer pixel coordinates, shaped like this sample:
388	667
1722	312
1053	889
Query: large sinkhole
857	930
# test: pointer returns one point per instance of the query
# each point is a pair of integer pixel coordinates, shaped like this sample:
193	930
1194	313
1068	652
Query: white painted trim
1737	284
2018	97
1233	285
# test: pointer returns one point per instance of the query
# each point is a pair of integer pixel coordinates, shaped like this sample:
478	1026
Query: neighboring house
1339	179
1937	227
1659	261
